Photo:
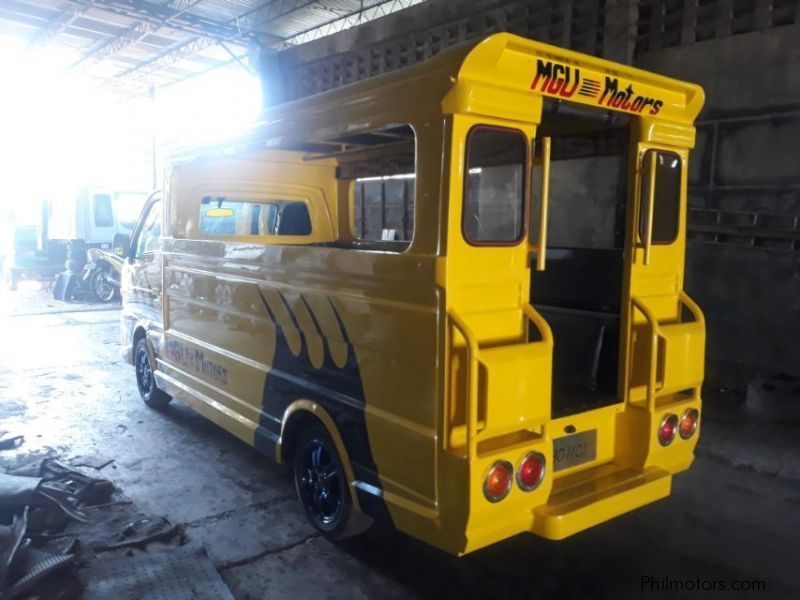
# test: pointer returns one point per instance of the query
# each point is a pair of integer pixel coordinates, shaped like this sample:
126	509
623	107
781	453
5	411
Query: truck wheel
146	380
322	486
101	286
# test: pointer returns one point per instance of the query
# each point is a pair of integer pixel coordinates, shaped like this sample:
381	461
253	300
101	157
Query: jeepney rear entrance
572	340
580	290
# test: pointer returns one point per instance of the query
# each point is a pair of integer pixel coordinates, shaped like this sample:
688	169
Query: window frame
155	204
526	188
108	202
255	197
640	214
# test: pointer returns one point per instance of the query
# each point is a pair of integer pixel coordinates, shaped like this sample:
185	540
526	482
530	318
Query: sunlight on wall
61	130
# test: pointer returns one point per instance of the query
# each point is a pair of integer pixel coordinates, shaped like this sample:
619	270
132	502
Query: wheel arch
299	415
139	333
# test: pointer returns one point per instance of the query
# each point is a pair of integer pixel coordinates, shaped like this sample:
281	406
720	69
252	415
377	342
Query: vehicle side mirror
121	245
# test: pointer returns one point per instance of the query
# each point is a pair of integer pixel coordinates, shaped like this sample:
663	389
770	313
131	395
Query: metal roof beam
156	14
62	22
357	18
279	8
272	10
137	32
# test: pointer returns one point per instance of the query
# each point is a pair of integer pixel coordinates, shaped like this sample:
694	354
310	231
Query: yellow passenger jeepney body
476	379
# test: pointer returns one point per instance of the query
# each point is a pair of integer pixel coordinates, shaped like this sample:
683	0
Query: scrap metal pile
52	518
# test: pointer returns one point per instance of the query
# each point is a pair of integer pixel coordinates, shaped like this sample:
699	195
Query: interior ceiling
135	45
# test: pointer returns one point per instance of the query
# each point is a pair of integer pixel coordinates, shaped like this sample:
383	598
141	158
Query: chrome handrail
538	320
654	334
472	386
687	301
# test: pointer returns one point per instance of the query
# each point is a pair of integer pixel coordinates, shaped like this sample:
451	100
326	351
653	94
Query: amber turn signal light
498	481
689	423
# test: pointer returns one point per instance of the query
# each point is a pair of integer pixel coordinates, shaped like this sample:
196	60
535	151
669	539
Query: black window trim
525	193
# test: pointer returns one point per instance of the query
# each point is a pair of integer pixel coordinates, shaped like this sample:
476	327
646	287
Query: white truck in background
42	238
94	215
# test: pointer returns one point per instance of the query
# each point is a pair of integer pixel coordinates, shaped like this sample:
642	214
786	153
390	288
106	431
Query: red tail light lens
498	481
668	429
530	472
689	423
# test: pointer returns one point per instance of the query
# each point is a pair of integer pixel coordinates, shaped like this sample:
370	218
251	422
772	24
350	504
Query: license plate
574	449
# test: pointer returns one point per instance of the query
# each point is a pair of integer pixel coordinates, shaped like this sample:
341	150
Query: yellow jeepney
518	356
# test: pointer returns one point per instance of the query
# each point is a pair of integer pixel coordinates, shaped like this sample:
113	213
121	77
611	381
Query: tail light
689	423
530	472
668	429
498	481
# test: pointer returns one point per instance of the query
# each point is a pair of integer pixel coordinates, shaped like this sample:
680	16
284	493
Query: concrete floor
734	516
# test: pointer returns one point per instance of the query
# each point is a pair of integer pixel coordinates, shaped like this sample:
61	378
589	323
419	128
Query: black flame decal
337	389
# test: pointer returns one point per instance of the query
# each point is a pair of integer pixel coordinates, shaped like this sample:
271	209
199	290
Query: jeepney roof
515	72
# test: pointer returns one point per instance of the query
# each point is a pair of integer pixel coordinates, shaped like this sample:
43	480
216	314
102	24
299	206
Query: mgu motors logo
555	79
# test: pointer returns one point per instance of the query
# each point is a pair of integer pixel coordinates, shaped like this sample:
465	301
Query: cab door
145	271
665	332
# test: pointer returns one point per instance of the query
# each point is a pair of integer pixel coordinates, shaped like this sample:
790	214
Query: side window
494	187
103	211
150	235
384	177
224	217
666	200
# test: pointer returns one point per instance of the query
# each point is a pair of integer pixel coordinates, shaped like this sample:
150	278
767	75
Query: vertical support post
406	235
620	30
566	34
383	204
363	227
656	25
724	24
689	22
763	14
153	142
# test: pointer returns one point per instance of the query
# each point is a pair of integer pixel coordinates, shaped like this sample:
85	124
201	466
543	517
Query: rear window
494	189
667	196
221	216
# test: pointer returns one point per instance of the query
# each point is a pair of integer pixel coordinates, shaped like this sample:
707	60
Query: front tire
322	486
146	380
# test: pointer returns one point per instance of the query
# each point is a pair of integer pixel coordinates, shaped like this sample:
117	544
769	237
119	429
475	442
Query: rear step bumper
578	502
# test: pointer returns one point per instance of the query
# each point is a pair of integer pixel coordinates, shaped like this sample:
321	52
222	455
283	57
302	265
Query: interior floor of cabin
64	387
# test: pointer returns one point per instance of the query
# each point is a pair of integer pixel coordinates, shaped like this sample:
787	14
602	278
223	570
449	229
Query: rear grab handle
541	243
651	197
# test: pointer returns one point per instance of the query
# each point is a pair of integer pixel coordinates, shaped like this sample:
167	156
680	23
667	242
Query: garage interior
184	509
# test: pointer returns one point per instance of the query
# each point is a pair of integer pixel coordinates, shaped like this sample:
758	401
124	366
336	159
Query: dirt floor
733	519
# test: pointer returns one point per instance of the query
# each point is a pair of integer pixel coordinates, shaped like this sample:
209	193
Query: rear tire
146	380
322	487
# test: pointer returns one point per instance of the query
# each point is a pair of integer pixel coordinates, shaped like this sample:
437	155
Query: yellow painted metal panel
429	348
